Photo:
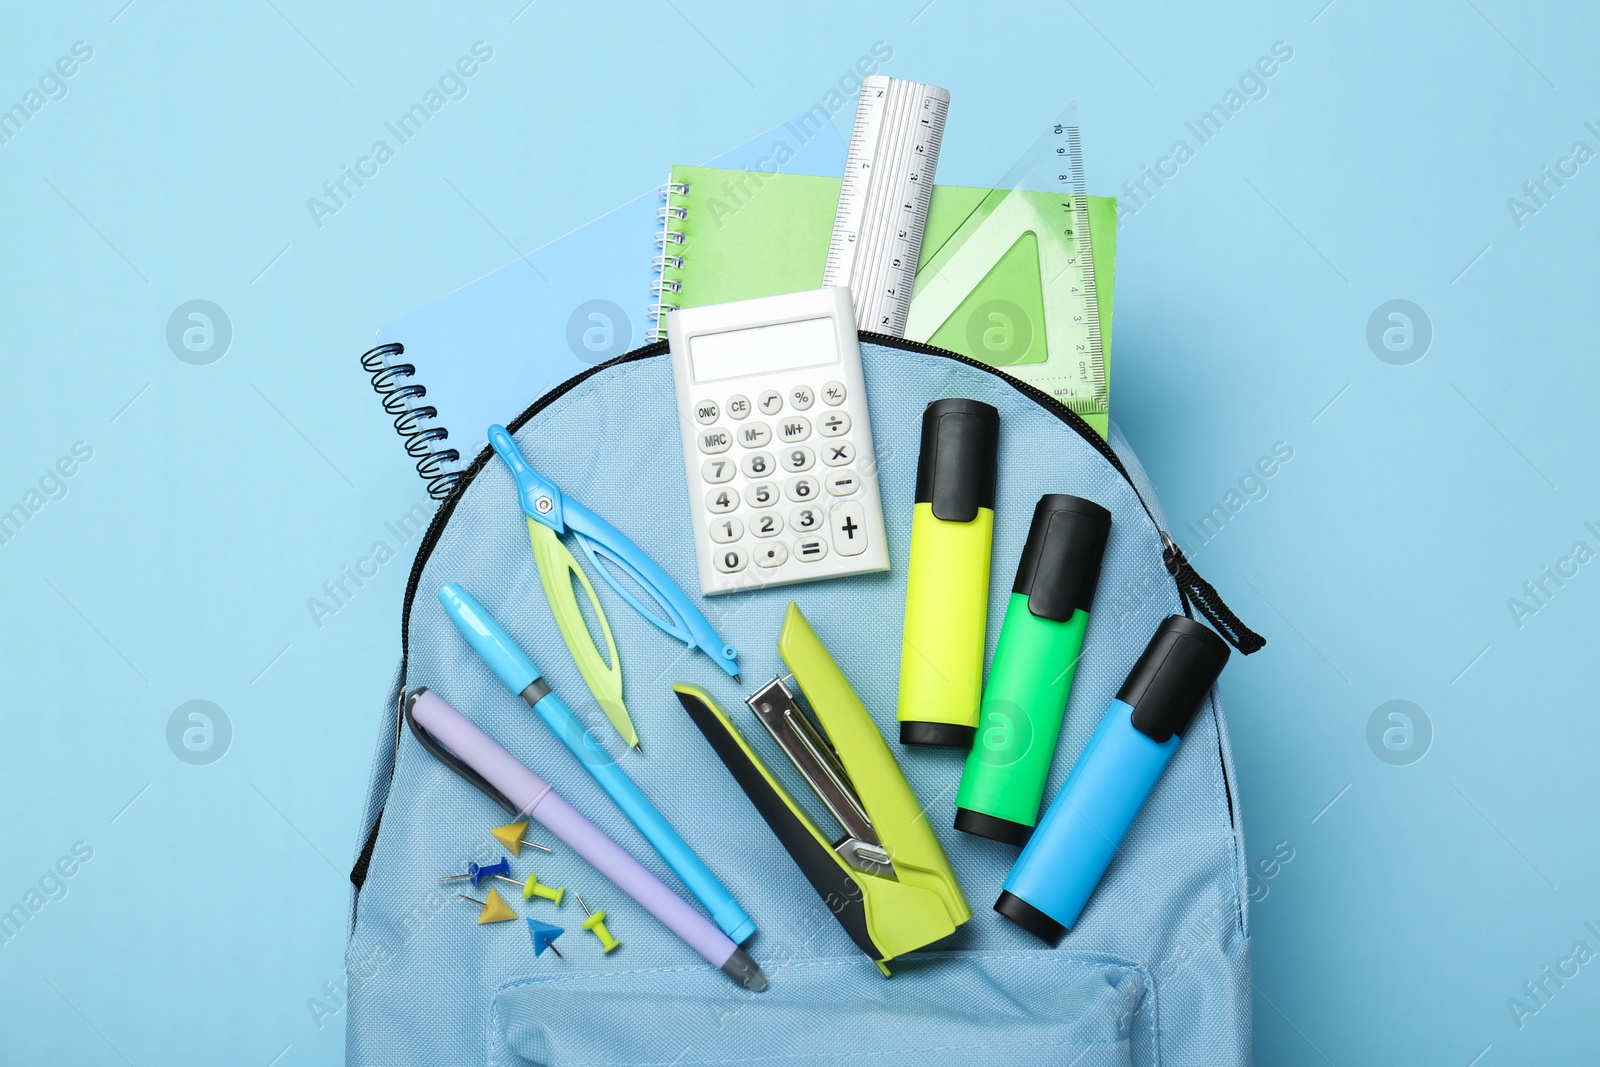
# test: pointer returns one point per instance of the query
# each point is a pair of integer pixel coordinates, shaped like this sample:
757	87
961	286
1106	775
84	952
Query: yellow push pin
596	925
511	836
495	908
533	887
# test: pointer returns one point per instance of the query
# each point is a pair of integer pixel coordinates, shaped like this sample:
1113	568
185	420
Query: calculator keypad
804	461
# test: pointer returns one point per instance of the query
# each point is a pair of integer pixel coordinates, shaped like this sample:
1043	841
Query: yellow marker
532	887
947	578
495	908
511	836
596	925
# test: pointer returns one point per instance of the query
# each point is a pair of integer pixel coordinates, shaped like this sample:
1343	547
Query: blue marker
1085	824
506	658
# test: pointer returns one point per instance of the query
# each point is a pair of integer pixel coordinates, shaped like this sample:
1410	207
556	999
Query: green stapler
886	879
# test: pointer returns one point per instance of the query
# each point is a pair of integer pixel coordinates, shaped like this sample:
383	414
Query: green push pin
596	925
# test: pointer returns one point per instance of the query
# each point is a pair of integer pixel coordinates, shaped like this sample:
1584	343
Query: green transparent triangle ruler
1014	285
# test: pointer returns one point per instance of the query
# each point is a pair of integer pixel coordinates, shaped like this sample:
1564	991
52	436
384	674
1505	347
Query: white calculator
776	443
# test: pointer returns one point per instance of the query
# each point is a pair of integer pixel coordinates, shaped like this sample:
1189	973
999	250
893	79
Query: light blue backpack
1157	971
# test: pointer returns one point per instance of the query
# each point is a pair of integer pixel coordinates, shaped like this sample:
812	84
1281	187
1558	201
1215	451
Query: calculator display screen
762	349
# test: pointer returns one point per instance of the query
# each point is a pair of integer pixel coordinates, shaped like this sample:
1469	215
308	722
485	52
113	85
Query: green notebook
735	235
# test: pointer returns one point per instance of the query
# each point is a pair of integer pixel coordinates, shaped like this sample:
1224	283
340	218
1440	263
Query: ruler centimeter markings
1090	356
883	201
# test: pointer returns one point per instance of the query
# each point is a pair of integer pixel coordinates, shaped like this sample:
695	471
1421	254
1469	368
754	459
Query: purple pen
532	796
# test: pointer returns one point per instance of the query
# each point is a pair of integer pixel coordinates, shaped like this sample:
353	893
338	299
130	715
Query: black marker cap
938	734
1061	562
1030	918
1174	673
957	467
994	828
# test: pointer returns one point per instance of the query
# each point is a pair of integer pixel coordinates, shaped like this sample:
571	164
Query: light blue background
219	498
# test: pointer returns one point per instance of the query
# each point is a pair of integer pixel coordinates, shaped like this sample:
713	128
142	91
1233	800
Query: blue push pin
478	873
544	936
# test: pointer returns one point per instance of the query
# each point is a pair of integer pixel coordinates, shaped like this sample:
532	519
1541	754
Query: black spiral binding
411	419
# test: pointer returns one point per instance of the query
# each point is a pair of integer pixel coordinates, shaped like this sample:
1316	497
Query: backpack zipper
1193	591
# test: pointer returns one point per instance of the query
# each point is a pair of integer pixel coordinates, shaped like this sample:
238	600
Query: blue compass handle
603	542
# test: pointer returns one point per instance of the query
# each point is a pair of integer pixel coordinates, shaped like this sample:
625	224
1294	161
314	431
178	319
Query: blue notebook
486	351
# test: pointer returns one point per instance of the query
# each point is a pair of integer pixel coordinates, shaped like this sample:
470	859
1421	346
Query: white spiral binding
665	238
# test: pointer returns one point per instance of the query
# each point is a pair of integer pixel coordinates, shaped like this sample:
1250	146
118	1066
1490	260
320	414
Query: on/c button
849	525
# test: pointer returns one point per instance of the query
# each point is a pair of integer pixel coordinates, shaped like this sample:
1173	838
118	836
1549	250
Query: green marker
1002	787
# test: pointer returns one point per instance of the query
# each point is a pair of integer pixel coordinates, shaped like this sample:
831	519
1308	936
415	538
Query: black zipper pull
1196	591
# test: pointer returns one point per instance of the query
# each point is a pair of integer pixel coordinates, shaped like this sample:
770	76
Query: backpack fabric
1157	971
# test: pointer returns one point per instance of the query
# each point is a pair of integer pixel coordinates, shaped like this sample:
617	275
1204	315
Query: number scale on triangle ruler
1089	393
883	201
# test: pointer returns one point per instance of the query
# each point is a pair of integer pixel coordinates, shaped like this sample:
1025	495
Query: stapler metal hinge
815	759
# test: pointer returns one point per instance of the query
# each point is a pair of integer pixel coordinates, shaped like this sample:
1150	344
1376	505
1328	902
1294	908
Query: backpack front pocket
940	1008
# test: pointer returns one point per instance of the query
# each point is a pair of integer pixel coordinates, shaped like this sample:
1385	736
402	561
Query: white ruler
883	203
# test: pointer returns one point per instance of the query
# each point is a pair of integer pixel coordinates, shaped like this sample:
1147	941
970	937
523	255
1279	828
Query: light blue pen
513	667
